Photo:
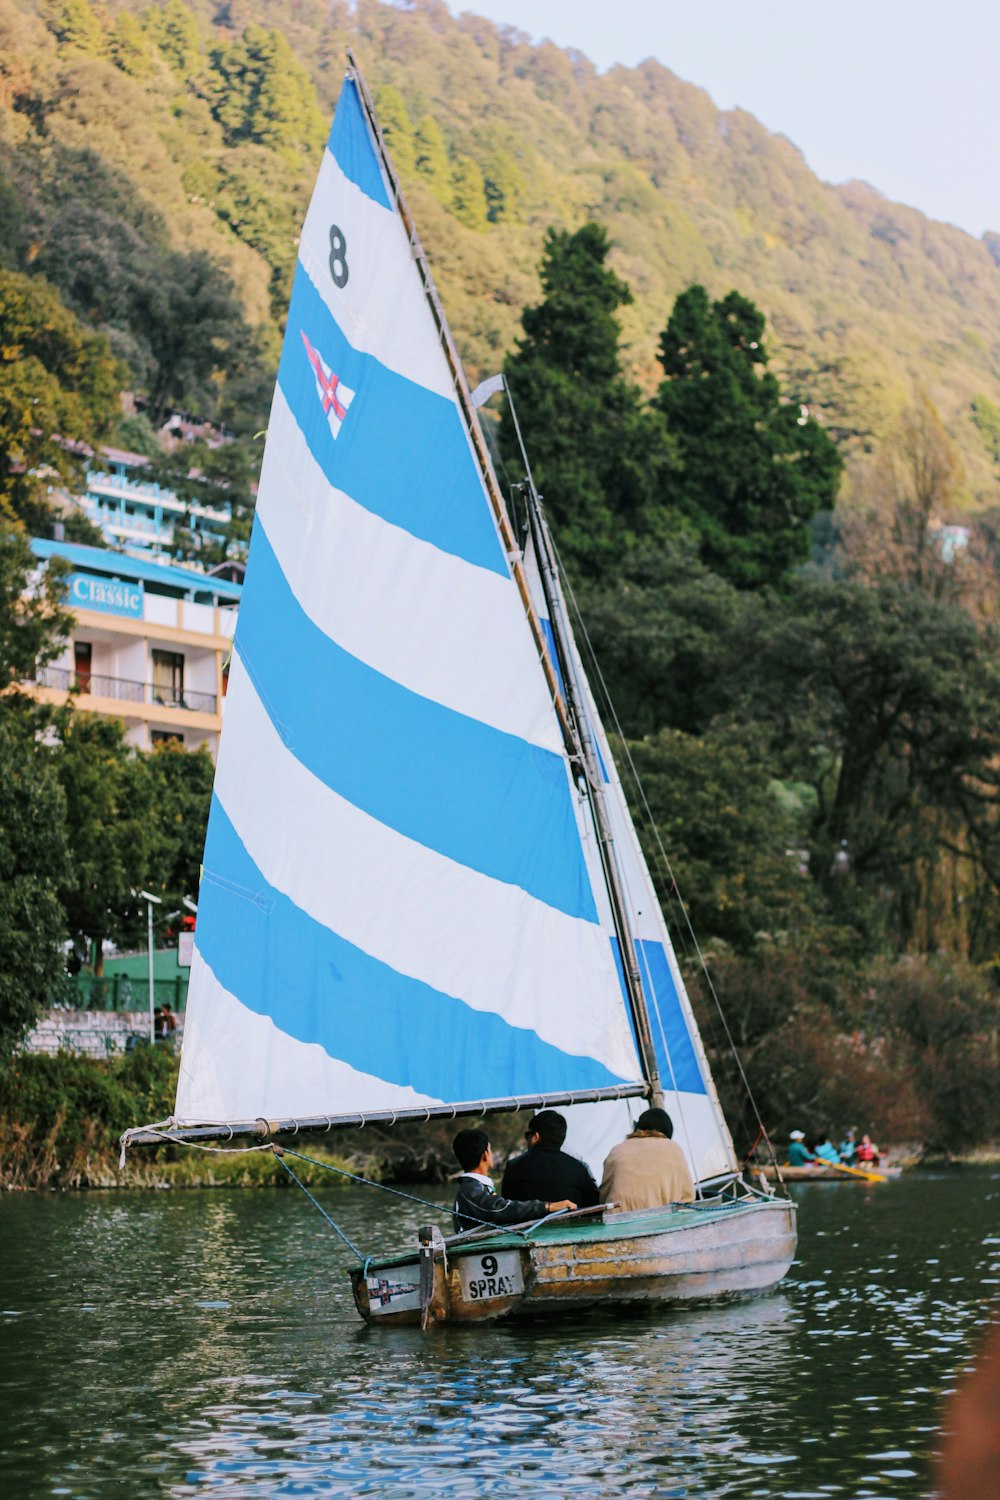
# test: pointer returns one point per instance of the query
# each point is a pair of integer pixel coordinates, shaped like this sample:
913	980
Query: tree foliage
261	93
754	469
598	453
32	807
58	391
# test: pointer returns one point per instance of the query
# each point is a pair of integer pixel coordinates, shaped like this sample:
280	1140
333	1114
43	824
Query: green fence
118	992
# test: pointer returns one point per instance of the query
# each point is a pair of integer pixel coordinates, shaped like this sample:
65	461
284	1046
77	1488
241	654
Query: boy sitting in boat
477	1202
545	1170
648	1169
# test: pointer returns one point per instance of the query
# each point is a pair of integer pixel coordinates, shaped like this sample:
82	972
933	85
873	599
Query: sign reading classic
110	595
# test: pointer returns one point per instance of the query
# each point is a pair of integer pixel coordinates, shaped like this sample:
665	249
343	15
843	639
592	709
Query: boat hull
829	1174
650	1259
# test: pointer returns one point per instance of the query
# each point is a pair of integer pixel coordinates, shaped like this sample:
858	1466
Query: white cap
796	1135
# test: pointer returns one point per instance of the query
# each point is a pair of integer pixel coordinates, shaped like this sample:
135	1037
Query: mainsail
396	910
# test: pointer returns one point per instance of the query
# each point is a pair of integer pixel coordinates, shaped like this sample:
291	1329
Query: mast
593	781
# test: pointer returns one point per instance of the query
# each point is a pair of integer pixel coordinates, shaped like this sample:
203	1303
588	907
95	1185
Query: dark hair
470	1146
656	1119
550	1125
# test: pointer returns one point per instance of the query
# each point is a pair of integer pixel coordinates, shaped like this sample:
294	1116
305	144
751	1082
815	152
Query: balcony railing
125	689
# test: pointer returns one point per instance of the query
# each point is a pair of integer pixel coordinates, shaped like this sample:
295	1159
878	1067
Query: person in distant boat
648	1169
849	1147
827	1151
477	1202
867	1153
546	1171
799	1154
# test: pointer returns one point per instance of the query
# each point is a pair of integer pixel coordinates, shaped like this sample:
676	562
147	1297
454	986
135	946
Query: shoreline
259	1169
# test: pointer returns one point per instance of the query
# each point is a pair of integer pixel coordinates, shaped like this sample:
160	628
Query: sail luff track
468	413
262	1129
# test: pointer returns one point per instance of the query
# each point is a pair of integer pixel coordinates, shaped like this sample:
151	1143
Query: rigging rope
663	857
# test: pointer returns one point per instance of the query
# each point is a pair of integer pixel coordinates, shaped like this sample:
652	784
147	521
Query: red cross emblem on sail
334	395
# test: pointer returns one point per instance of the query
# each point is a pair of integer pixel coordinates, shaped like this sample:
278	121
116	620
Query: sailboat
422	895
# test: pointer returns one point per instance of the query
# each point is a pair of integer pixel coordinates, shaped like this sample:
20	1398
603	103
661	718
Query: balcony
125	690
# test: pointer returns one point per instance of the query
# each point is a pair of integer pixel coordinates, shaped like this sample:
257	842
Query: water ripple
206	1345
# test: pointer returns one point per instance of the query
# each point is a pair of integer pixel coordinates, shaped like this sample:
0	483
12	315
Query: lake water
205	1344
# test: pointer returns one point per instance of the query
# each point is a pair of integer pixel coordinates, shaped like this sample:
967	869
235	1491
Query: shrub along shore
61	1117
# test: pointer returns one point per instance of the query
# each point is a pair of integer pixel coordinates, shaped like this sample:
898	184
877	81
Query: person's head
547	1128
656	1121
796	1135
470	1146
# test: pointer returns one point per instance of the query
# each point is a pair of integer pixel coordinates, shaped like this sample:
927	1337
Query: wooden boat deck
619	1226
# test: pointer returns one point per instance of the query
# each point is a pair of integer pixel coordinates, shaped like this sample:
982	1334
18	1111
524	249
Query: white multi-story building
149	645
136	513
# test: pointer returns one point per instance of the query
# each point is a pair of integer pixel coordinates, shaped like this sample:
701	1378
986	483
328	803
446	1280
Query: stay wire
320	1209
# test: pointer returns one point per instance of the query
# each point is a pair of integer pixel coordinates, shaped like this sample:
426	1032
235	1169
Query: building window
83	656
166	737
168	678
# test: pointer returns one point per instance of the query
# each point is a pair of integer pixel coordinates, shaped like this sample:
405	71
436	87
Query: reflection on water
206	1343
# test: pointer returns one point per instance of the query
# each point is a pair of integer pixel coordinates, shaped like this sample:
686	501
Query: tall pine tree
598	454
755	469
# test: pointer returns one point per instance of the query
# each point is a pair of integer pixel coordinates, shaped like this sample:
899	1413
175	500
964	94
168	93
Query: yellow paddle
858	1172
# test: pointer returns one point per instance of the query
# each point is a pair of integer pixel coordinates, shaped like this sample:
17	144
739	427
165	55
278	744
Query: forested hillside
156	160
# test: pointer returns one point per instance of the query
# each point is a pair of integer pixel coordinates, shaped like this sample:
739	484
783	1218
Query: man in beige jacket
648	1169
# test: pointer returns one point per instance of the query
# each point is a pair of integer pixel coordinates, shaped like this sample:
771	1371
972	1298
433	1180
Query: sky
902	93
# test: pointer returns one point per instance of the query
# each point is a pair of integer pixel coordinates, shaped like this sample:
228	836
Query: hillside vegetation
156	161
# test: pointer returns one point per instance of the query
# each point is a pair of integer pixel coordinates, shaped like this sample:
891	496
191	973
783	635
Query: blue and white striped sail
689	1091
396	909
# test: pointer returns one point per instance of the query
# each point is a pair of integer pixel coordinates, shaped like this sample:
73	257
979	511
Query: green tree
58	390
431	155
600	456
986	416
173	29
754	469
887	704
195	330
397	129
503	184
129	46
32	851
730	840
107	825
469	194
179	793
262	93
79	30
33	625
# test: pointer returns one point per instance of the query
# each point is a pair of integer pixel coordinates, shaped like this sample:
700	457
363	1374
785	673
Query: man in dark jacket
477	1203
545	1171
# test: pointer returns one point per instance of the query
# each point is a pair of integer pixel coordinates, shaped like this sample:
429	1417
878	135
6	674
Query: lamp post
150	900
